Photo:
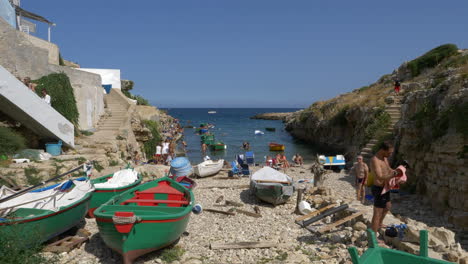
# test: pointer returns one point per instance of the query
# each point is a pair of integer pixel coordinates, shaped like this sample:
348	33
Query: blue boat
336	163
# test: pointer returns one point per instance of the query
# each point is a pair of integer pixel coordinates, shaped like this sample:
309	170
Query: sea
233	126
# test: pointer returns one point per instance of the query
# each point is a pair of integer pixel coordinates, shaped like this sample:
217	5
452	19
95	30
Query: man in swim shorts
361	171
382	172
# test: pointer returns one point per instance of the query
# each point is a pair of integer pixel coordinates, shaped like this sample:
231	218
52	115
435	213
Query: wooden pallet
66	244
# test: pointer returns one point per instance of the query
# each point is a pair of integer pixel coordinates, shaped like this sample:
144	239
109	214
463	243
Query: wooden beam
314	213
232	203
248	213
219	211
339	222
268	181
240	245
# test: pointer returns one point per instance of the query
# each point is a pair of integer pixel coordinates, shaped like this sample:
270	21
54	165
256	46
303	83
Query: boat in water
271	186
271	129
211	112
111	185
146	218
208	168
218	146
276	147
336	163
259	132
44	213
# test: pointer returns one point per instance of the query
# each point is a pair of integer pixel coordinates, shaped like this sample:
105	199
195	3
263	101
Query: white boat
211	112
337	162
208	168
259	132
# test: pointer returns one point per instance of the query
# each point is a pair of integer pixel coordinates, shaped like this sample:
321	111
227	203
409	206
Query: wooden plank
241	245
268	181
232	203
248	213
339	222
300	218
218	211
66	244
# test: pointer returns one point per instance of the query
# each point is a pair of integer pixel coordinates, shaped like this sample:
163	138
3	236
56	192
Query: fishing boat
44	213
148	217
259	132
211	112
271	129
379	255
336	163
276	147
217	146
208	168
110	185
271	186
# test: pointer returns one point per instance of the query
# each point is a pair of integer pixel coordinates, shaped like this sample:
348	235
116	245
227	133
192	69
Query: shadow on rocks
98	248
248	197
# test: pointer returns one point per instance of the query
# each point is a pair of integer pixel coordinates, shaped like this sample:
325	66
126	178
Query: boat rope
122	220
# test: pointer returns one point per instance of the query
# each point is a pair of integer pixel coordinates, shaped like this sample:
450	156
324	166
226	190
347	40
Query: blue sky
249	53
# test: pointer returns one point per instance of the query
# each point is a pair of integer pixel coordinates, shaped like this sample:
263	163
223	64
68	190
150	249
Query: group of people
165	151
382	174
32	86
280	161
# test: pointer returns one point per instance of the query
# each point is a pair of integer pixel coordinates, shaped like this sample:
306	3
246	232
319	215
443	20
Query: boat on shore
276	147
271	186
146	218
335	163
111	185
208	168
42	214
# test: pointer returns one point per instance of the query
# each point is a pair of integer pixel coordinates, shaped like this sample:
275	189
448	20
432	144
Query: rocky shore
271	116
291	243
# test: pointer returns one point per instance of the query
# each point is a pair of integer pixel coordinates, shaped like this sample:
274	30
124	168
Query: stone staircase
117	108
394	110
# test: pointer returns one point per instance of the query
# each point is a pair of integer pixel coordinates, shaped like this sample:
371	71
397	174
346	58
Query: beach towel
394	183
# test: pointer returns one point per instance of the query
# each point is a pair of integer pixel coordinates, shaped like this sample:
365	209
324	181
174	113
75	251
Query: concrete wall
44	44
108	76
23	105
22	58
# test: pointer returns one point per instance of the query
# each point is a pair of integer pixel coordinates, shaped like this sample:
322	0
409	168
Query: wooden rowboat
111	185
276	147
44	213
208	168
146	218
271	186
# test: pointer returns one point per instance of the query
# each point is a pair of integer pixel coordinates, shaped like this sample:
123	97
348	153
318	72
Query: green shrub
31	176
377	128
432	58
172	254
113	163
61	62
61	93
149	146
140	99
10	141
457	61
86	133
98	166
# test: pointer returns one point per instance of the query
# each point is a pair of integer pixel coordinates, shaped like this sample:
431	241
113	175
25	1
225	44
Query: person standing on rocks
382	172
360	171
397	87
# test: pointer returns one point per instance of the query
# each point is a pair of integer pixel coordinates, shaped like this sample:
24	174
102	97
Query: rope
122	220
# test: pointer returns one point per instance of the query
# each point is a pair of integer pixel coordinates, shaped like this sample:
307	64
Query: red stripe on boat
109	220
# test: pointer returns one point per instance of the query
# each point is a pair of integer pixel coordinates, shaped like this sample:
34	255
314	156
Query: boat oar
40	184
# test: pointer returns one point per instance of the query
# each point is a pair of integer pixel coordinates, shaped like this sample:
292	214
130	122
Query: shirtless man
382	172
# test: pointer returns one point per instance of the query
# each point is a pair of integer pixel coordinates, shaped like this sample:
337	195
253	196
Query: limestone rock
359	226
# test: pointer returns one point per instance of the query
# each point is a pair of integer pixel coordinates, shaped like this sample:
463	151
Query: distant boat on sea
211	112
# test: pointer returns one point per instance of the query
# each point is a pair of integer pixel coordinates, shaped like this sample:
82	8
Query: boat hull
46	226
202	170
270	193
277	147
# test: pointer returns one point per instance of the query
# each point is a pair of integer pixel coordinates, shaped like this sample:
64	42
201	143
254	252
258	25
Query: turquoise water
234	126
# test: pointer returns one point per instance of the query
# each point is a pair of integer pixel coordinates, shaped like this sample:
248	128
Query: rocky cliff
431	133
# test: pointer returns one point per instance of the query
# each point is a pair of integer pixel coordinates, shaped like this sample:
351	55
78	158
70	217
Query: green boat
146	218
380	255
271	129
217	146
42	214
271	186
111	185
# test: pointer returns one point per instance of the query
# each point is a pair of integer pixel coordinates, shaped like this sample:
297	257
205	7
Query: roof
21	12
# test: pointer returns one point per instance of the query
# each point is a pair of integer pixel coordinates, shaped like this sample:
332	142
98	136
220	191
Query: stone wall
23	58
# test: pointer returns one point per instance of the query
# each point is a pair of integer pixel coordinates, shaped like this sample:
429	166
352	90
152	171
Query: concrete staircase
394	110
117	107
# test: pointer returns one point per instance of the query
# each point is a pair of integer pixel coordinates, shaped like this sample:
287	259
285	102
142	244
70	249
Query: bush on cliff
150	146
432	58
61	93
10	141
376	129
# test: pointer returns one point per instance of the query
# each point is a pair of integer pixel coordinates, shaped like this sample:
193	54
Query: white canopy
270	174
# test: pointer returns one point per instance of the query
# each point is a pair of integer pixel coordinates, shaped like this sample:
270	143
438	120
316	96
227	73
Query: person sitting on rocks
360	171
298	159
285	162
29	84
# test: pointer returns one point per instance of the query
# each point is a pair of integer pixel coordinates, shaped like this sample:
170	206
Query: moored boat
208	168
276	147
271	129
217	146
111	185
146	218
336	163
271	186
211	112
44	213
